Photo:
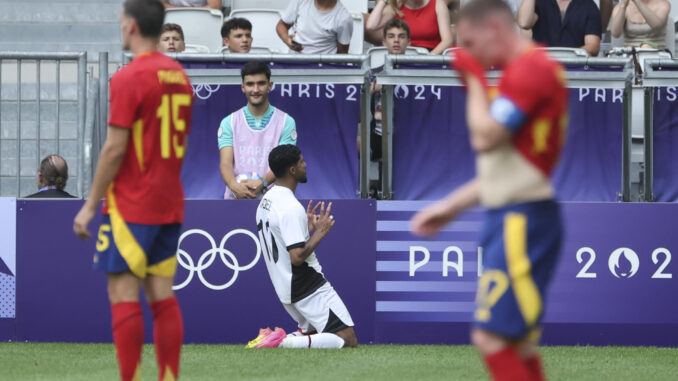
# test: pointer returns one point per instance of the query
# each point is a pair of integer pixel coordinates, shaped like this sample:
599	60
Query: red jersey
534	85
151	97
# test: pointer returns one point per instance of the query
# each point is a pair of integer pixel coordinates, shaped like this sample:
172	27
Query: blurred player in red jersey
518	136
139	174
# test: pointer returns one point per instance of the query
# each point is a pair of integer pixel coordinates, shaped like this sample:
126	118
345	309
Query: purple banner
7	268
665	143
327	119
615	270
432	154
614	283
222	284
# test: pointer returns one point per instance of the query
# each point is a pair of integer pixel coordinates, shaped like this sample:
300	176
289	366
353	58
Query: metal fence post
58	101
18	127
82	115
387	143
365	120
626	143
648	174
37	100
103	98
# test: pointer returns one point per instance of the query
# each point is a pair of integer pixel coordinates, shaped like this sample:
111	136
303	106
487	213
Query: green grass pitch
58	361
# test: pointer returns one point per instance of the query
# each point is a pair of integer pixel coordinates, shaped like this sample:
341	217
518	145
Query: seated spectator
236	34
248	135
214	4
52	177
572	24
429	21
171	39
641	22
322	27
396	39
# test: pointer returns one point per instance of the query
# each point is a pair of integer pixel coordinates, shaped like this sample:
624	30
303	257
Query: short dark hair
397	23
282	158
477	10
252	68
171	27
54	171
235	23
149	15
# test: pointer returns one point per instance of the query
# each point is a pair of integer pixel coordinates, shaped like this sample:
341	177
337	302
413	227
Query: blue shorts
521	245
139	249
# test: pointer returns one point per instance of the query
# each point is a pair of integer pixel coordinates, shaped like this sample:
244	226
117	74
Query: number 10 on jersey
168	113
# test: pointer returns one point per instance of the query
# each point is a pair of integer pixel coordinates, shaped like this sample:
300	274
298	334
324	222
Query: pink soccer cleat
263	332
273	340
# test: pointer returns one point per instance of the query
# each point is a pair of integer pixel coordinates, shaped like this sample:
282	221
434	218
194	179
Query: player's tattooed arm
323	225
434	217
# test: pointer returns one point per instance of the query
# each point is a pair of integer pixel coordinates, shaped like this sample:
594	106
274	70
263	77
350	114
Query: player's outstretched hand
311	214
430	220
468	66
325	220
82	220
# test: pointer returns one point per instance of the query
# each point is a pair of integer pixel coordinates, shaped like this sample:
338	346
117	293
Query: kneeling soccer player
518	137
139	173
284	232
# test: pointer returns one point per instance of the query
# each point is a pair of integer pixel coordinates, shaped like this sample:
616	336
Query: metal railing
398	71
6	98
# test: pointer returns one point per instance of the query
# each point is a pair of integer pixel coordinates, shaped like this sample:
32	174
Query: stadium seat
193	48
355	6
357	44
270	5
448	51
263	28
202	26
377	55
253	50
671	35
566	52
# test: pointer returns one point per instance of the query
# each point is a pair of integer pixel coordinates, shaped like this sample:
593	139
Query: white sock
319	340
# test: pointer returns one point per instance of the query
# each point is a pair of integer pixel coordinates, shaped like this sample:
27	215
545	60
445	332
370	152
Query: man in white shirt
322	27
289	251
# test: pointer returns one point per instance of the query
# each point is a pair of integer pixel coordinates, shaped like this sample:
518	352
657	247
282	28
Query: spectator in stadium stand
568	23
214	4
171	39
236	34
396	39
322	27
52	177
248	135
429	21
642	23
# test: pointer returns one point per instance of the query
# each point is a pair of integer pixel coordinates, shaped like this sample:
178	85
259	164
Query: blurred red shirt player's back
151	96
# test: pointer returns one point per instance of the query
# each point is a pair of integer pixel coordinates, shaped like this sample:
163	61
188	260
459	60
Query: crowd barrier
425	144
613	286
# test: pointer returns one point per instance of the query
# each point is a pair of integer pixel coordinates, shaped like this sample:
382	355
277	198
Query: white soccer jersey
283	225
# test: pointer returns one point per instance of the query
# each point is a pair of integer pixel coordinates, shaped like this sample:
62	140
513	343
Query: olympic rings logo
208	257
203	91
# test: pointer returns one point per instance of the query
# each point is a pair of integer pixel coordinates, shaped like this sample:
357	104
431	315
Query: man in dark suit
52	177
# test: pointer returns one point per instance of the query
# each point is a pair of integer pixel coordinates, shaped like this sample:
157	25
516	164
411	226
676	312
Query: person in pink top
429	21
247	135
